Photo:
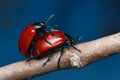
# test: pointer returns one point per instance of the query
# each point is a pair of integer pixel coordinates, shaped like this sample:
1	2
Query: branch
91	52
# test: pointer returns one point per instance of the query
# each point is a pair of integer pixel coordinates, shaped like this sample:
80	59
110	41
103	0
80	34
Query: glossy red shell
56	40
25	39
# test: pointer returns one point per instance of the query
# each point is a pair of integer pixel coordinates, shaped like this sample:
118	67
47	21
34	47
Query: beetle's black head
40	25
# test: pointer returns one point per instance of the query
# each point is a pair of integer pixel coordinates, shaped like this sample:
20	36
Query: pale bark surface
91	52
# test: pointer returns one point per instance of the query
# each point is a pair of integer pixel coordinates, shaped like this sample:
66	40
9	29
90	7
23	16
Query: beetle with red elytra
36	43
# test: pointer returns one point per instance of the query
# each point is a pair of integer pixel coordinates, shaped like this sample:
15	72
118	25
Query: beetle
29	35
52	41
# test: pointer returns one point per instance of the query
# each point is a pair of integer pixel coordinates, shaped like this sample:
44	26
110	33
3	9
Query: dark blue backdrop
91	19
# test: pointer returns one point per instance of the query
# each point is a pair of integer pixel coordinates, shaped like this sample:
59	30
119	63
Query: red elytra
48	41
25	39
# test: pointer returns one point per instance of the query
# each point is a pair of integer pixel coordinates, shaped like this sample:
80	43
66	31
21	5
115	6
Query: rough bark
91	52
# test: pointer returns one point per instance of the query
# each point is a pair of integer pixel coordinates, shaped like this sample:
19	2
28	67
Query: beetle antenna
78	38
54	25
51	26
50	17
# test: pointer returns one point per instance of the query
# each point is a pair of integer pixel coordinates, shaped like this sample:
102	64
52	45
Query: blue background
90	19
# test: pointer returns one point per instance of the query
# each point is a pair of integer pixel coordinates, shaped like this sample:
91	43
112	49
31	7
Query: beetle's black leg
60	57
48	59
50	56
77	39
76	48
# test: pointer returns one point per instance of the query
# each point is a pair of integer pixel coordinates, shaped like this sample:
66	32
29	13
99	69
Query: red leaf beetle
29	35
50	42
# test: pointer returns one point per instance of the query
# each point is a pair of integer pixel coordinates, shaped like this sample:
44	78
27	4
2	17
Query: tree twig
91	52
